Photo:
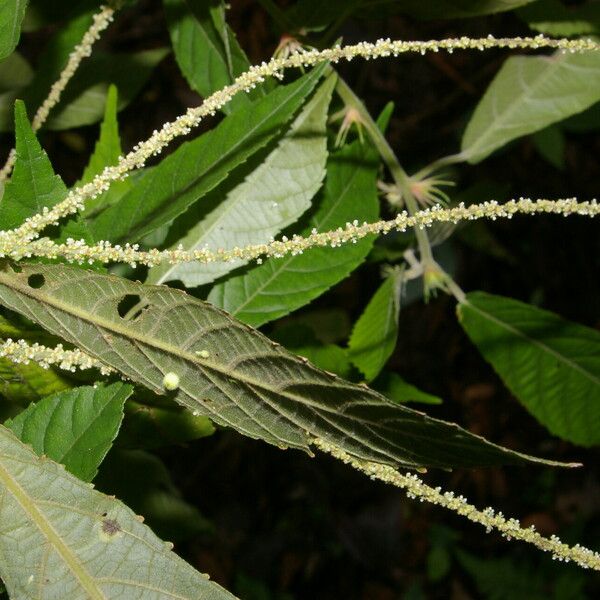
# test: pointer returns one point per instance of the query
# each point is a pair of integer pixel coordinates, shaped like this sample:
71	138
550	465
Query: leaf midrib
35	516
283	265
144	225
476	148
230	204
533	341
206	364
152	342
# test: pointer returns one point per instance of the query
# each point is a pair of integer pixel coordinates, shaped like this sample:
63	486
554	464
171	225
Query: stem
391	161
455	290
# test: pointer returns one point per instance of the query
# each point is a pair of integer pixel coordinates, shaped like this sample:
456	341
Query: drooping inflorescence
100	22
22	242
154	145
489	518
20	352
78	251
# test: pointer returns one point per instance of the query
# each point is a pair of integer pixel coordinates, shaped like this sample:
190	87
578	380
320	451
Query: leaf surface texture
74	542
245	382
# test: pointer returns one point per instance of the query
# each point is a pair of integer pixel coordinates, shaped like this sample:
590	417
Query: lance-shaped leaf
196	167
454	9
282	285
551	365
75	428
269	199
108	147
230	372
375	334
12	13
528	94
205	48
83	101
59	539
106	153
33	184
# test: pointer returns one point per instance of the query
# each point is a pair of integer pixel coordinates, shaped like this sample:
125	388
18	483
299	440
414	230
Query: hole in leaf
126	303
37	280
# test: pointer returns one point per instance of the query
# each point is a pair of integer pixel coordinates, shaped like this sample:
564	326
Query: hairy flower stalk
100	22
105	252
255	75
489	518
21	352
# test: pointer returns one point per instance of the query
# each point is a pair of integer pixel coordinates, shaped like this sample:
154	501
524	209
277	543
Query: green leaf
246	382
142	481
551	365
283	285
52	61
553	18
397	389
108	147
528	94
75	428
197	167
12	12
206	49
269	199
147	426
62	539
453	9
33	184
15	72
21	384
375	334
84	100
106	153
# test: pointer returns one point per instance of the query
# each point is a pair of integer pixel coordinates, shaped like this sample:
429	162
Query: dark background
289	526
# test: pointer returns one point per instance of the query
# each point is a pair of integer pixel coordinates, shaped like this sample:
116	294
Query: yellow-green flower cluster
100	22
489	518
20	351
249	80
105	252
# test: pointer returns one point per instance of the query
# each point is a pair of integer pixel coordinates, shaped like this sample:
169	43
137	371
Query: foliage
550	364
282	152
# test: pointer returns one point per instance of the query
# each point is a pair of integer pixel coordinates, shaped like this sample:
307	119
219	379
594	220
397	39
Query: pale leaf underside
246	382
60	539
